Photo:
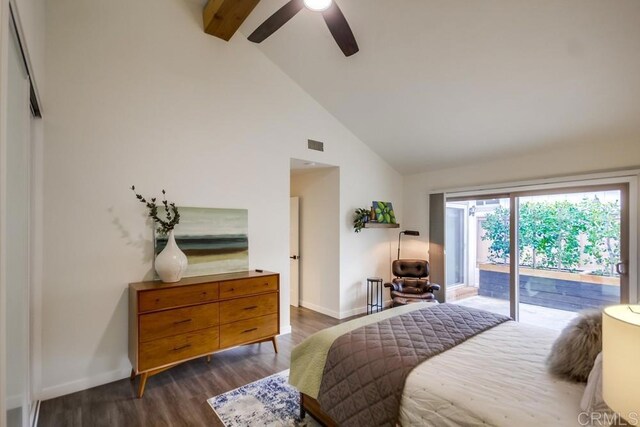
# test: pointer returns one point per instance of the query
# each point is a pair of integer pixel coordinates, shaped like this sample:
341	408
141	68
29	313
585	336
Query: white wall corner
286	330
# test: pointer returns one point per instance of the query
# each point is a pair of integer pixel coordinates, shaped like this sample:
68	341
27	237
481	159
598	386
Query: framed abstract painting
214	240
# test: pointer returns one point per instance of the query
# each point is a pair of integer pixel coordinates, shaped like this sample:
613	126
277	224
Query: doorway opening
315	236
539	257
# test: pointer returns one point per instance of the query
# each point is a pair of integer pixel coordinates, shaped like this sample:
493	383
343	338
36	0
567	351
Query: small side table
374	287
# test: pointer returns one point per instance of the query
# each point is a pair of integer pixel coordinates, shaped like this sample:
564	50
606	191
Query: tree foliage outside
496	227
603	234
559	235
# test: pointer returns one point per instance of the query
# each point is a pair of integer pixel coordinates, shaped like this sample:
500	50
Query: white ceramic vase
171	263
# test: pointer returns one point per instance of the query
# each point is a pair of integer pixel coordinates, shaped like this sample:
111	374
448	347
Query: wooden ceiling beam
222	18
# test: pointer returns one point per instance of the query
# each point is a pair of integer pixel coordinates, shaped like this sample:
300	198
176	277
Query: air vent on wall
315	145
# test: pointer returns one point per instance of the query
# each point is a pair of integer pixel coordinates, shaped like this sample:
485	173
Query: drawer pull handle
232	289
251	307
250	330
182	321
266	284
204	294
181	347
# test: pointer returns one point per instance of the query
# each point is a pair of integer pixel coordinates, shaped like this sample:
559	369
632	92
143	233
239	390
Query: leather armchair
411	283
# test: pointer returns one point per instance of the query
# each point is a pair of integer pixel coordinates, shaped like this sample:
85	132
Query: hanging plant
171	214
360	218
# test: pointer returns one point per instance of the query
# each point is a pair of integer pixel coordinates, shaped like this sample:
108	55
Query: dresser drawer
164	351
178	296
178	321
248	330
248	286
248	307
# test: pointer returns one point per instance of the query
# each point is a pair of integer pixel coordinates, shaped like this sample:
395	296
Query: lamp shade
621	359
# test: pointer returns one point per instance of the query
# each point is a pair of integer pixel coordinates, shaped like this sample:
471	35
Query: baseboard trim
286	330
98	380
83	384
353	312
339	315
320	309
360	310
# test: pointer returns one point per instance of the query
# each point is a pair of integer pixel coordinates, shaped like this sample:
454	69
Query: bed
497	377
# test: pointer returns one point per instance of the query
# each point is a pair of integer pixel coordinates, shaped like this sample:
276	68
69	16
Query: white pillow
592	400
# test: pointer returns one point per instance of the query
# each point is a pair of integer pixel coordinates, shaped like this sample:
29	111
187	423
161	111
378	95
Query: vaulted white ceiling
447	82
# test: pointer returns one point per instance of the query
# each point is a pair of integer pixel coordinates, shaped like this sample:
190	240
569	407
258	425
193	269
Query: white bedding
497	378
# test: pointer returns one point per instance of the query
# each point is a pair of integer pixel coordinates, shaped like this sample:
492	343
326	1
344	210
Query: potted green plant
361	217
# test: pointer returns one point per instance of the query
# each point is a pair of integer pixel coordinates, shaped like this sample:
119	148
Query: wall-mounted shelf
380	225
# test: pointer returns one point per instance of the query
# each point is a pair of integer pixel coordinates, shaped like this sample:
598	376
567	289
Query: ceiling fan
337	23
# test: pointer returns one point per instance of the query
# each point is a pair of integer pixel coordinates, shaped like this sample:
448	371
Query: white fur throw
574	352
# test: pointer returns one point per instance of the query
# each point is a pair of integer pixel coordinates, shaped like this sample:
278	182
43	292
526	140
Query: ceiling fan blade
340	29
277	20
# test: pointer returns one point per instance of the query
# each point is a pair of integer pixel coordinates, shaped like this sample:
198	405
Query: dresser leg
133	374
208	358
275	344
143	382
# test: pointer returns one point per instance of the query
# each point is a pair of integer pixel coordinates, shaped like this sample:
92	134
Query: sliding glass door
542	256
457	236
478	268
570	250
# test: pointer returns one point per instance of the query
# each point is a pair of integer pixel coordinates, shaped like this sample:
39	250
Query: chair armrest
433	287
394	286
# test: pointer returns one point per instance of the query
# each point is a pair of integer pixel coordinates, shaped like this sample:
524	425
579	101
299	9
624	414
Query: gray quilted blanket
366	368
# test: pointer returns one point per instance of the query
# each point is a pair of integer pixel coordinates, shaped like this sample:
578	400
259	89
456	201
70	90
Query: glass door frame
514	204
465	228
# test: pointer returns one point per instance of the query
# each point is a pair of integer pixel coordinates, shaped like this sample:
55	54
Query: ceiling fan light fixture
317	5
331	13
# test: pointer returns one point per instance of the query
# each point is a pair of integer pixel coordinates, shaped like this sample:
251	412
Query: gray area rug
271	401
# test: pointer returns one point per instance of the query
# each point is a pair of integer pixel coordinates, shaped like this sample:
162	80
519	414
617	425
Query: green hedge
562	234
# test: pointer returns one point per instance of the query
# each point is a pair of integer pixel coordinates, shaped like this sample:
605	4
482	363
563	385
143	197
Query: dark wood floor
178	397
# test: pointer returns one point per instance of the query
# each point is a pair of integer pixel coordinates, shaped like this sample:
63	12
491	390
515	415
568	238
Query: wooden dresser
170	323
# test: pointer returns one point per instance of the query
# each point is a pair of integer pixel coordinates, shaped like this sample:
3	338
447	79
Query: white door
294	245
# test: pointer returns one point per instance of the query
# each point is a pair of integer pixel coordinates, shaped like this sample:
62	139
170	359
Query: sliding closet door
17	238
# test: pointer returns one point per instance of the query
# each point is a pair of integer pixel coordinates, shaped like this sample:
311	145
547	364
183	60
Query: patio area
550	318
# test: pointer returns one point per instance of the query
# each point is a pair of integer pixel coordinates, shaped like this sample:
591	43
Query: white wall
573	160
319	193
138	94
370	252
